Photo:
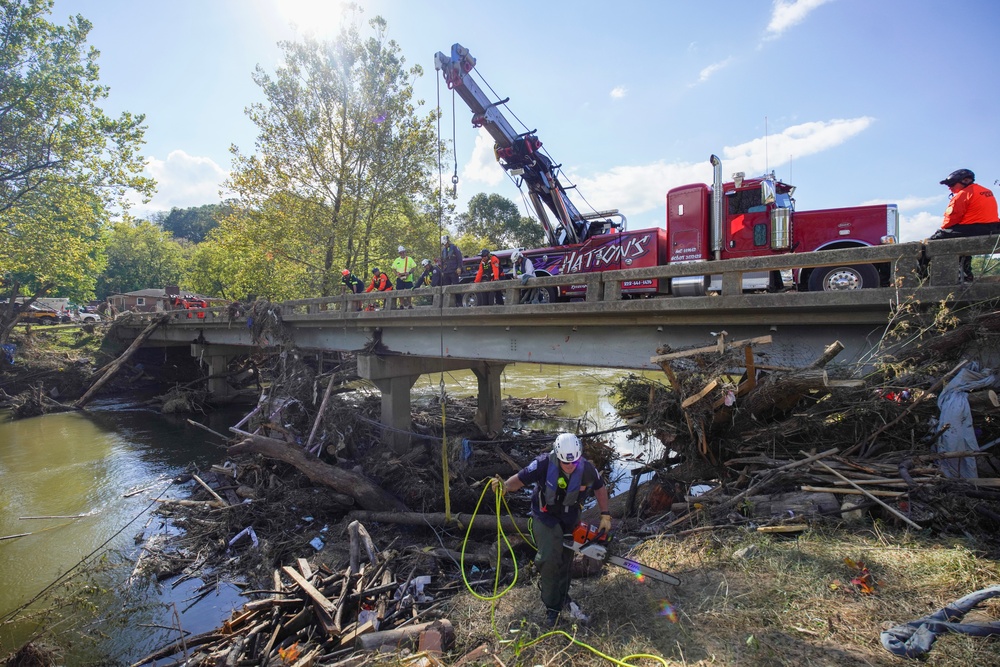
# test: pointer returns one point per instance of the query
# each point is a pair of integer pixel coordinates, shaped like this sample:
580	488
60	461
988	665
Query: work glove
498	486
605	525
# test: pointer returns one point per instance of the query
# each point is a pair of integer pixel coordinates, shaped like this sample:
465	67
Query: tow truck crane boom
517	153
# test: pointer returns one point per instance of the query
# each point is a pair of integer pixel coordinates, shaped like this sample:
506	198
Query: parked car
88	318
35	314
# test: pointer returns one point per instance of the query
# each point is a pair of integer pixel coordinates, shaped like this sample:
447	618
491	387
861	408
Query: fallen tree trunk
486	521
113	367
780	391
365	492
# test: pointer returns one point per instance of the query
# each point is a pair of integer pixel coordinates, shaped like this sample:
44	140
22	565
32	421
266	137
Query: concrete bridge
395	346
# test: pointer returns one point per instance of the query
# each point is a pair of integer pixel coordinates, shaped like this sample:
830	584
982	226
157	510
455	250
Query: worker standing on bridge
404	267
431	275
352	284
380	283
972	211
524	270
563	481
489	270
451	262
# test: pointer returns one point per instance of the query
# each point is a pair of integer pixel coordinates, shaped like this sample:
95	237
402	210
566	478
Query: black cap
958	176
484	252
375	270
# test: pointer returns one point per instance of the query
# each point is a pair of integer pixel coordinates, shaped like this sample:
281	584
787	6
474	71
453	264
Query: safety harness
572	497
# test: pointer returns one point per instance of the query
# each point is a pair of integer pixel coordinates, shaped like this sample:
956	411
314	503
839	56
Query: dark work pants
449	277
964	231
554	562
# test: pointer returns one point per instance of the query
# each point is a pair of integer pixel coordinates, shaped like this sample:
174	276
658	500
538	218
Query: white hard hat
400	249
445	239
516	255
425	262
567	448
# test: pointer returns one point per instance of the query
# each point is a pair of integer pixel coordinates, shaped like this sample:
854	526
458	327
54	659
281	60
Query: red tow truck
743	217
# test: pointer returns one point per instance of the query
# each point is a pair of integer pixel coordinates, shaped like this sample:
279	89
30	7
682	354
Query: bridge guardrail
902	260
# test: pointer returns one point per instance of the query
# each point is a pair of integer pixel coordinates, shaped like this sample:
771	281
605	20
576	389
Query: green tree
192	223
341	175
140	255
64	163
497	219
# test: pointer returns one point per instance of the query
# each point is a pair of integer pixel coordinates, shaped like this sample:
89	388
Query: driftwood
405	637
780	391
366	493
113	367
484	521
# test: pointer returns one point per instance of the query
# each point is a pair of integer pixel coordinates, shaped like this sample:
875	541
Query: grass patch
783	601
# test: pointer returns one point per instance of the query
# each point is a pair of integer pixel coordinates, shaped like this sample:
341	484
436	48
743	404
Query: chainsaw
587	541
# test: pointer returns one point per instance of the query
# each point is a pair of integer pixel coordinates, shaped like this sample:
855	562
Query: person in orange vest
380	283
972	211
489	270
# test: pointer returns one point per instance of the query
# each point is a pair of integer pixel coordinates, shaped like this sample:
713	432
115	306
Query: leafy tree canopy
497	219
341	172
64	163
140	255
193	223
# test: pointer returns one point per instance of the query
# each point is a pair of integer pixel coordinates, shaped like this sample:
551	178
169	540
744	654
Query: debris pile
781	444
316	615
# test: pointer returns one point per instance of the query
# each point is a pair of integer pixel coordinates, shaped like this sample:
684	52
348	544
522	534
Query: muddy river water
87	467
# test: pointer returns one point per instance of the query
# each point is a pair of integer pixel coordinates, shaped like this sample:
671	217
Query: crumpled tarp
914	639
960	436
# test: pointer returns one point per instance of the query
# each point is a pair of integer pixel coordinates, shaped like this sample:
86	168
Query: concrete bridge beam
394	376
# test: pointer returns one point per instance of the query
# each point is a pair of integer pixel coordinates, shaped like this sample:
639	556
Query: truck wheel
840	278
48	321
471	299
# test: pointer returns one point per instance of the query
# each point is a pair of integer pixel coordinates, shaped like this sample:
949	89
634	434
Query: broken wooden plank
852	492
705	391
660	358
210	490
310	590
787	528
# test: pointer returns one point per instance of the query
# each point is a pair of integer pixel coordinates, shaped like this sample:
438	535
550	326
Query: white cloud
915	222
758	155
183	180
618	92
637	189
918	226
482	166
788	14
707	72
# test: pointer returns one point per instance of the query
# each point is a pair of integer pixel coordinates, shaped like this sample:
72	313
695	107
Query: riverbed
105	467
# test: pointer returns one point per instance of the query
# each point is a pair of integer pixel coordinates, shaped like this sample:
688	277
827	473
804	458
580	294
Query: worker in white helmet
563	480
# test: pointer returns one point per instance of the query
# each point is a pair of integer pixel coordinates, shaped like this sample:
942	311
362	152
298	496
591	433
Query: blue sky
852	101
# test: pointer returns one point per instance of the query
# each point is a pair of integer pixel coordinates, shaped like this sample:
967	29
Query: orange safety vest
380	283
494	269
971	205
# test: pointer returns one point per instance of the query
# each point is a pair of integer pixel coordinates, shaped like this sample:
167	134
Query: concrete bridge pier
489	416
217	358
395	375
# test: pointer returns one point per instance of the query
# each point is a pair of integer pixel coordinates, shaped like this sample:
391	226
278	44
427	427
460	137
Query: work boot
551	616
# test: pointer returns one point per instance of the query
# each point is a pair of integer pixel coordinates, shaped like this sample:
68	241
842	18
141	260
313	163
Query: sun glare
319	17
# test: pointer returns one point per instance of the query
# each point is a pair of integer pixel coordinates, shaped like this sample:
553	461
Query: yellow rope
444	457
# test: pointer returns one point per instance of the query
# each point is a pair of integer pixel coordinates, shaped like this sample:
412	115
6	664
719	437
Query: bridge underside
394	357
